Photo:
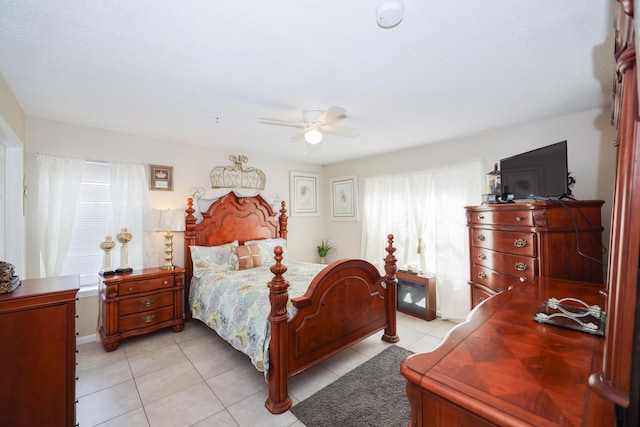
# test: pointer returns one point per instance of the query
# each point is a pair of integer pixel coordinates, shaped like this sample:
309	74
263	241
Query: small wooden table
503	368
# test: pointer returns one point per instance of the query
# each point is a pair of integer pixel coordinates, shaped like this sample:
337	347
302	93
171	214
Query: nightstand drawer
147	318
150	302
134	287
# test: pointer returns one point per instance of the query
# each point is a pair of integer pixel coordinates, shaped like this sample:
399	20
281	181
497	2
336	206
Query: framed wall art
304	194
161	178
344	198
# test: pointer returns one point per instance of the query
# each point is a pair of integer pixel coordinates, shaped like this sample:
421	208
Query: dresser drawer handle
165	282
520	243
518	218
130	289
148	303
482	275
482	256
149	318
481	237
521	266
480	217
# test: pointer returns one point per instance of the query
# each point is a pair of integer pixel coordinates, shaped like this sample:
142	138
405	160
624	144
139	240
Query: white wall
591	153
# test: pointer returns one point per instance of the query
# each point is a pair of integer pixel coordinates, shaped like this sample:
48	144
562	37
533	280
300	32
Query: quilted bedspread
236	305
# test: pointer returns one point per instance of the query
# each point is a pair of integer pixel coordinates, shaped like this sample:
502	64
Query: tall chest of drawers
516	241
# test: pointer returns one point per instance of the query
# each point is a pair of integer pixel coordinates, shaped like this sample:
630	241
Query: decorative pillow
266	249
218	258
249	256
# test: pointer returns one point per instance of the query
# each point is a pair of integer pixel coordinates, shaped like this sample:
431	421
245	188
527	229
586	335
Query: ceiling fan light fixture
313	136
389	13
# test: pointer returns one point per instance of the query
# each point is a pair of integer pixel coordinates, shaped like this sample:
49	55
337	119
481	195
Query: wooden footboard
345	303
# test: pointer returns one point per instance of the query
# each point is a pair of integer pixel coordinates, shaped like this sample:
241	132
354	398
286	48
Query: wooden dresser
523	240
38	353
140	302
503	368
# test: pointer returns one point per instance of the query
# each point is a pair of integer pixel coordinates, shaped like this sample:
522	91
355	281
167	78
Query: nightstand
140	302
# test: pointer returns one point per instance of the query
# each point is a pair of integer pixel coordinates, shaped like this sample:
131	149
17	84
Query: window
95	216
91	224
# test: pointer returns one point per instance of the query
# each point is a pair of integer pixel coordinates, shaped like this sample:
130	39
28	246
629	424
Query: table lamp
168	221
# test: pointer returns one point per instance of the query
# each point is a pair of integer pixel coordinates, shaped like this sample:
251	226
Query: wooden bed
346	302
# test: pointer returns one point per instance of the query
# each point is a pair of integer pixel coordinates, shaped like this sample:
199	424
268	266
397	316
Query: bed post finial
279	400
390	268
284	219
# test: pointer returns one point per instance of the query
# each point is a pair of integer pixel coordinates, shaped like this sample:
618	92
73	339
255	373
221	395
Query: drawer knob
165	282
480	217
482	256
482	275
521	266
149	318
518	218
520	243
148	303
481	237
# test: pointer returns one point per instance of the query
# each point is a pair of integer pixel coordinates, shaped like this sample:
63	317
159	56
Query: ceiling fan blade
298	136
280	122
340	131
332	115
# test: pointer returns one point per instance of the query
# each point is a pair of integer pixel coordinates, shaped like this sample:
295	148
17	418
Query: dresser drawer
478	294
505	241
137	286
144	319
513	264
492	279
147	303
507	217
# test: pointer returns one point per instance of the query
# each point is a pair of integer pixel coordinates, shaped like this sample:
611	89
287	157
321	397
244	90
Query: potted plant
324	248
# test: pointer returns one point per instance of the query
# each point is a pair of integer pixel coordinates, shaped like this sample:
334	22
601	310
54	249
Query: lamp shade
168	220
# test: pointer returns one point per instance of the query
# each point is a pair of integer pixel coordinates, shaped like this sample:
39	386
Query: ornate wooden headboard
232	218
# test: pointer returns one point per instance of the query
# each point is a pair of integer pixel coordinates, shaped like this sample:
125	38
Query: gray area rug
373	394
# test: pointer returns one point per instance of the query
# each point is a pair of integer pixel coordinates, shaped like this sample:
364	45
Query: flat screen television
536	174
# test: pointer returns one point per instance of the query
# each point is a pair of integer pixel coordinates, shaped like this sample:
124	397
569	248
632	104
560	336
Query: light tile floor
194	378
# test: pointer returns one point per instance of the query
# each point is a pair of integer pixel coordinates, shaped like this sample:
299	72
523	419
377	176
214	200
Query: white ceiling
169	68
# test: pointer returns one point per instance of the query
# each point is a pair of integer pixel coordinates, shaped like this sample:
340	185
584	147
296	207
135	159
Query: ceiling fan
316	122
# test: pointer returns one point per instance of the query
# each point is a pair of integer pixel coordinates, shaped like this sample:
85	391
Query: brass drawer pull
165	282
520	243
148	303
481	237
130	289
482	256
482	275
518	218
480	217
521	266
149	318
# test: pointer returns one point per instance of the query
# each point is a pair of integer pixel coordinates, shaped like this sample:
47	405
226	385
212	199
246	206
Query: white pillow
221	258
266	249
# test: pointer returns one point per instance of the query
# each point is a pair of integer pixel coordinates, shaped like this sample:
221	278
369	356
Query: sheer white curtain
130	210
425	210
58	188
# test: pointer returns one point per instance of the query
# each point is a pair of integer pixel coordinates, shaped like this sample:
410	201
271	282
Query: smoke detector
389	13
